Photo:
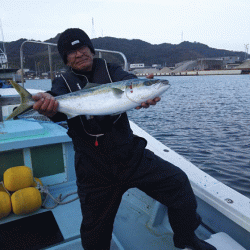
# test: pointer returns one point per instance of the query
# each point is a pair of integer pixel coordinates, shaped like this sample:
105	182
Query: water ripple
207	120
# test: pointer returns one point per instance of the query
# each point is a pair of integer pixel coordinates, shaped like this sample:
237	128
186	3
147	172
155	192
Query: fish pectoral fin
71	115
117	92
118	113
91	85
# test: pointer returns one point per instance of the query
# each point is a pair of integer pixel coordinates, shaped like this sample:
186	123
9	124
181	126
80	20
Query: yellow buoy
5	204
16	178
26	200
36	180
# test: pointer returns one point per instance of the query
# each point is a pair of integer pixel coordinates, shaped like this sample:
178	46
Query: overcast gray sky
222	24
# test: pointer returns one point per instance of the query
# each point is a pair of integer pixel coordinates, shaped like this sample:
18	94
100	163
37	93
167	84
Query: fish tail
26	101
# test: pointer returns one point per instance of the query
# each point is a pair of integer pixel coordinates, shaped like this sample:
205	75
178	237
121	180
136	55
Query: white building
137	65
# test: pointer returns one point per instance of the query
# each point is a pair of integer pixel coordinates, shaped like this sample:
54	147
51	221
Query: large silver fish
96	99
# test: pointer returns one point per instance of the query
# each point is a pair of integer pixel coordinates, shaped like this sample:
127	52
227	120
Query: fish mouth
165	82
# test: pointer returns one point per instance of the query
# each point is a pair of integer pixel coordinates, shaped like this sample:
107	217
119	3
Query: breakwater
194	73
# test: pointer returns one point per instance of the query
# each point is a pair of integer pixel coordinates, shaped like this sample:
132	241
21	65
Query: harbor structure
203	66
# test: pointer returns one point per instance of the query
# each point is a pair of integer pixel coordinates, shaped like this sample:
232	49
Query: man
109	159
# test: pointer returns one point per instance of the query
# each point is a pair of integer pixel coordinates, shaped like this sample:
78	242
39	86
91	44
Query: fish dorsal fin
91	85
117	92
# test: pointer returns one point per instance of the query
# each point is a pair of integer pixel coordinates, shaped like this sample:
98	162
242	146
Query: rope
1	183
58	200
44	190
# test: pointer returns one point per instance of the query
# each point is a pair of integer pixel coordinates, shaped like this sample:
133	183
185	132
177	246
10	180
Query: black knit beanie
72	39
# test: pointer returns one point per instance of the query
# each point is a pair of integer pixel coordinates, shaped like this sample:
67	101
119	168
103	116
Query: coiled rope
58	201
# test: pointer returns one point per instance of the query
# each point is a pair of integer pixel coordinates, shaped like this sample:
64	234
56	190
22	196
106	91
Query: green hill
136	51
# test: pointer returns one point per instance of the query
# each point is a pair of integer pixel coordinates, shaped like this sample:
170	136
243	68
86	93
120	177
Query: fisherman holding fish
109	158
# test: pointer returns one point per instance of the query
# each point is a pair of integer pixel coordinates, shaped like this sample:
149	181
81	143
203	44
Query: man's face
80	59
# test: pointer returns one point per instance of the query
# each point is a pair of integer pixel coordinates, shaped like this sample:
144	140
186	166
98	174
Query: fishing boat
141	222
7	73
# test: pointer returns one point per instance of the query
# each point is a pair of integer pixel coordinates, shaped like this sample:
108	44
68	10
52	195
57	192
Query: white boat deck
141	222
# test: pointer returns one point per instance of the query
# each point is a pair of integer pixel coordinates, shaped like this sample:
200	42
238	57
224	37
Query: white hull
141	222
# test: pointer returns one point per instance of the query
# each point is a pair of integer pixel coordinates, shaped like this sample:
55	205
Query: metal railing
114	52
100	51
22	57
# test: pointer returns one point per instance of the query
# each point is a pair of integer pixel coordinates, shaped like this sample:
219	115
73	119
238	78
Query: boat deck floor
130	227
132	230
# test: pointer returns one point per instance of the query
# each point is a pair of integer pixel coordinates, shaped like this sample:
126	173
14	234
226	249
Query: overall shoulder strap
73	82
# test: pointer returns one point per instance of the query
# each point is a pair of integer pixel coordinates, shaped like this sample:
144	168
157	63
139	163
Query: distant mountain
136	51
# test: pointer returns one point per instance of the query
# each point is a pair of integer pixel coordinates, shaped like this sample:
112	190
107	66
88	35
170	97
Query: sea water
206	119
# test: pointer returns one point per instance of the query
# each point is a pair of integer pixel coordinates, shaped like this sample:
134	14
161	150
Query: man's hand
150	101
151	76
45	104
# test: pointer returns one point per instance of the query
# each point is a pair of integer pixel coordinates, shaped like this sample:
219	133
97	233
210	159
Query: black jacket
115	129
